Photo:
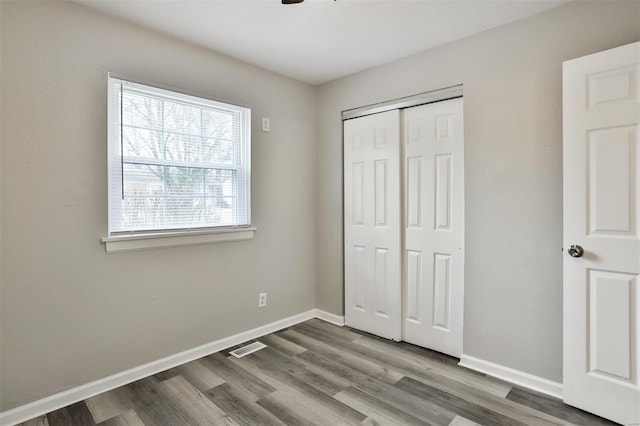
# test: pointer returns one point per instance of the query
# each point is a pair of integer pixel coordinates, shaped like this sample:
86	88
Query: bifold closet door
372	224
433	292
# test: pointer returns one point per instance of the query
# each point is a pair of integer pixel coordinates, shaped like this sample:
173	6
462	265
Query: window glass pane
182	118
174	197
141	111
176	161
190	149
138	142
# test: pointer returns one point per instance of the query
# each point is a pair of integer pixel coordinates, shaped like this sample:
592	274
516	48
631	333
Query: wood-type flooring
316	373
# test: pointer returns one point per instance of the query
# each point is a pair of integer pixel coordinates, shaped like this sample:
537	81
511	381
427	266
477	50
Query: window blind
176	161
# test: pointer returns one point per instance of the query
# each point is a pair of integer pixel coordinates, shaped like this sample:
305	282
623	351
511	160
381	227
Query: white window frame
118	241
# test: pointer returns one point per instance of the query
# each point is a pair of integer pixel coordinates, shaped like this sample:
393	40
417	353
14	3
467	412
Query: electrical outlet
266	125
262	300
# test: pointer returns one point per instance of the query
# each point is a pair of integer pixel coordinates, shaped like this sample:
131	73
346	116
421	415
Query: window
177	163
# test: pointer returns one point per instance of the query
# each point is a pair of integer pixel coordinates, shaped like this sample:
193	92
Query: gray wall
513	151
71	313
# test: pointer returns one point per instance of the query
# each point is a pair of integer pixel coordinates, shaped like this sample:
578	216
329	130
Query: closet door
433	143
372	224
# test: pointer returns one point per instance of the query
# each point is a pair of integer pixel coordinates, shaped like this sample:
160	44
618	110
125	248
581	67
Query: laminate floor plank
319	411
519	413
555	407
495	387
300	404
166	374
348	375
422	409
128	418
327	383
375	409
440	381
461	421
434	378
348	414
151	406
38	421
322	335
288	412
227	370
81	414
310	409
110	404
316	411
199	375
370	422
243	411
192	404
374	389
255	368
74	414
319	374
380	358
343	332
372	369
457	405
427	353
60	417
283	345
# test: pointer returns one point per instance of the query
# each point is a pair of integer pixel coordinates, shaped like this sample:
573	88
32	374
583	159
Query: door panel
412	294
372	224
414	192
442	202
441	290
601	332
434	227
610	296
611	152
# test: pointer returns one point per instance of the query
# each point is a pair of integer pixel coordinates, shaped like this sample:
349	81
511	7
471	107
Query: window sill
123	243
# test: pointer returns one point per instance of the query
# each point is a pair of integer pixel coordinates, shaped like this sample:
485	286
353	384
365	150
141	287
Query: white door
601	184
433	143
372	224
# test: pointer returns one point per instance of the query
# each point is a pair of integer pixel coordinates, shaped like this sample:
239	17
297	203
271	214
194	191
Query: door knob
575	251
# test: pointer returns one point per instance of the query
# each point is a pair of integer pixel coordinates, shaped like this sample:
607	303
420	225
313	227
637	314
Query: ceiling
320	40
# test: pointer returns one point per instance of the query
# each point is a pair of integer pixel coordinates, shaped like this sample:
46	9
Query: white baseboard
71	396
329	317
517	377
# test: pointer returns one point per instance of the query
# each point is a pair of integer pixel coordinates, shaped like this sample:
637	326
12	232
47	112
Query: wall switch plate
266	125
262	300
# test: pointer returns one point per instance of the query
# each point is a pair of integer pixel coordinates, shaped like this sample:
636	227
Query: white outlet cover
266	125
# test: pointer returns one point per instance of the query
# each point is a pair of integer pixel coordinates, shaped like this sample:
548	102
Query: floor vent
249	349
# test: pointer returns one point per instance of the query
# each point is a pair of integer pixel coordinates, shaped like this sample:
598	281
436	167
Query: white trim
145	82
329	317
71	396
432	96
175	239
508	374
